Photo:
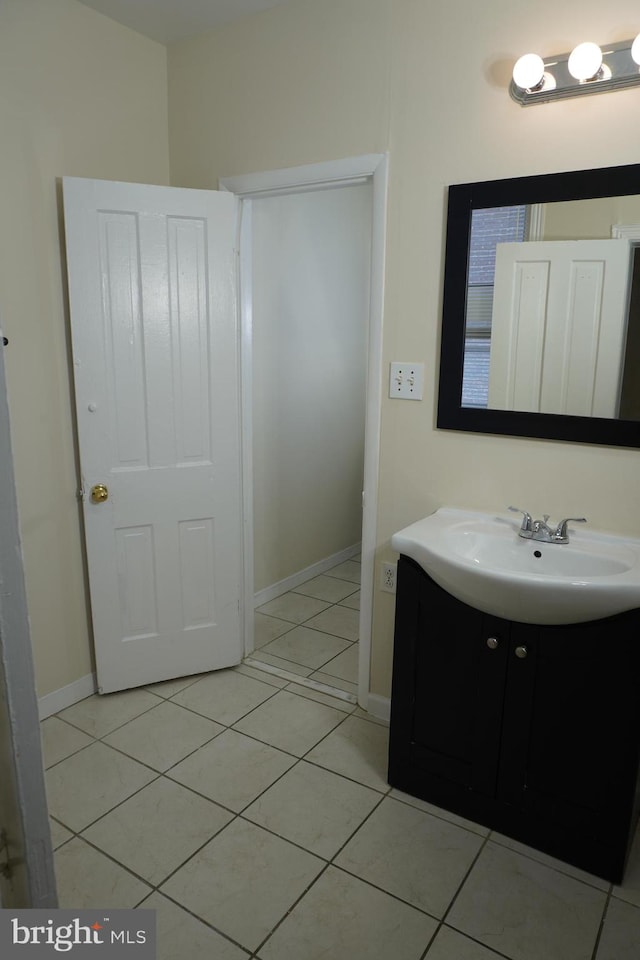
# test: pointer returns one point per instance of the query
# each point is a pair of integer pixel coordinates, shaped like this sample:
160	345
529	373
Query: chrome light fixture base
619	70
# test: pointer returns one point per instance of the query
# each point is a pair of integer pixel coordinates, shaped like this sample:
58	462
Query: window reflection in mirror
488	228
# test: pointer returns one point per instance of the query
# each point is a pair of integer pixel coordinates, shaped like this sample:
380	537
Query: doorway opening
311	375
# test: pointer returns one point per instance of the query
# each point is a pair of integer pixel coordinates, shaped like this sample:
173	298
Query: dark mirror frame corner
463	199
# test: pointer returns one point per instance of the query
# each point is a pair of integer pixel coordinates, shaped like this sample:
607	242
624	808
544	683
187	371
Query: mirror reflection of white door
559	325
152	289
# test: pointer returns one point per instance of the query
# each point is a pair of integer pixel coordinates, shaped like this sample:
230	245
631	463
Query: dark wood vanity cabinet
531	730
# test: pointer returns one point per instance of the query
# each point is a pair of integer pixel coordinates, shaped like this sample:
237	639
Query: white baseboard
65	697
379	707
290	583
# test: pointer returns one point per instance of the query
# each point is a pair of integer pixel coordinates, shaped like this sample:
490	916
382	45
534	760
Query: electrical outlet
388	573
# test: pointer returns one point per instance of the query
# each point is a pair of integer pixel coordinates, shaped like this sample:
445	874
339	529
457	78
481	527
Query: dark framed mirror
541	307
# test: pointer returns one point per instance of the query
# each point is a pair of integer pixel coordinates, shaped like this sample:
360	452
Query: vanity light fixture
587	69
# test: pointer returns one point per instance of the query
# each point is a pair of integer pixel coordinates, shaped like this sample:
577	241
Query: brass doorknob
99	493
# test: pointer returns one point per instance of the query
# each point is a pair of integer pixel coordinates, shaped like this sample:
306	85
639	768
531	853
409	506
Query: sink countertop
480	559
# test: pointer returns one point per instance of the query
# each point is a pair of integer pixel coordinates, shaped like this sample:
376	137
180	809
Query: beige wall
79	96
304	82
428	82
588	219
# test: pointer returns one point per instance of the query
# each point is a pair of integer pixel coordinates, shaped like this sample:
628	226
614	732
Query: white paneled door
559	326
152	288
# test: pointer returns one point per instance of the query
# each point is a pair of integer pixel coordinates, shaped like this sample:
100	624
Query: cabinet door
448	684
571	720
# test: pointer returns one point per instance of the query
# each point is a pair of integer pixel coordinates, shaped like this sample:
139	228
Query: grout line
291	909
601	925
482	847
195	916
483	946
120	725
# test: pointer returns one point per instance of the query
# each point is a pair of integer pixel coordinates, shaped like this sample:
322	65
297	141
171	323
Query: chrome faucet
539	529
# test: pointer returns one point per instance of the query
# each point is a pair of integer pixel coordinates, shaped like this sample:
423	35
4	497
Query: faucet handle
526	517
561	530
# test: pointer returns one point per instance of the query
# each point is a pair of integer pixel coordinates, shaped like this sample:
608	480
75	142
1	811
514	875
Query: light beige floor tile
345	665
60	740
560	865
86	878
451	945
233	769
294	607
288	666
352	601
412	855
290	723
349	570
321	697
620	939
311	648
101	714
358	749
224	696
338	621
439	812
244	881
156	830
180	936
266	629
168	688
525	910
59	834
327	588
88	784
314	808
342	918
164	735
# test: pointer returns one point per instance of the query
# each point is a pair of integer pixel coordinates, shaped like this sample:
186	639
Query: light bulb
528	71
635	50
585	61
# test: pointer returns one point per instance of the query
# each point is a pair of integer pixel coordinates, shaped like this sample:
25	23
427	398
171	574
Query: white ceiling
169	20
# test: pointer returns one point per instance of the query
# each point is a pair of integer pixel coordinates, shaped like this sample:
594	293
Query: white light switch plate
406	380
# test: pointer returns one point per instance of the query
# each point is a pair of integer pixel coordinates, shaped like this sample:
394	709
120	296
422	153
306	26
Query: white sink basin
480	559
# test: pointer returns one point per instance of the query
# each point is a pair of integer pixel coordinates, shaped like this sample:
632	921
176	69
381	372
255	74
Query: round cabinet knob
521	652
493	643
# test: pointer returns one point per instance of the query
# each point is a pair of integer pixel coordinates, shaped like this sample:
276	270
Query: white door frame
371	168
25	833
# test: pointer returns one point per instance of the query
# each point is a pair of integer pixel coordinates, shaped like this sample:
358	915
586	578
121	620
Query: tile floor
253	814
312	631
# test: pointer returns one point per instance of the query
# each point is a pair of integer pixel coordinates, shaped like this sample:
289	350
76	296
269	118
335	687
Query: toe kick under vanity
516	687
